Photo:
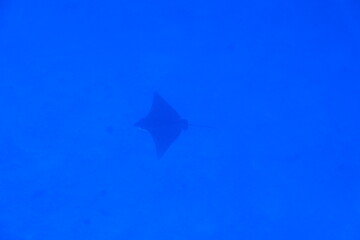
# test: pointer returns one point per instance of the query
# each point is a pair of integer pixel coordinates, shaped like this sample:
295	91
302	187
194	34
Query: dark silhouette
163	123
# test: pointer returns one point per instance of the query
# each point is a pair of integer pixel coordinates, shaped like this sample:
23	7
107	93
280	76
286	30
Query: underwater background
277	81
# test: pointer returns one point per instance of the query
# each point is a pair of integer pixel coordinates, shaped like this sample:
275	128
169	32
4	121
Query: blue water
277	81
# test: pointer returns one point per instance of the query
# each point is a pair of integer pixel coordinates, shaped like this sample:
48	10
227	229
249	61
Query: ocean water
276	81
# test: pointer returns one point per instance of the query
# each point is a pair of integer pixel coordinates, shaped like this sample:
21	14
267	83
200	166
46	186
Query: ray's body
163	123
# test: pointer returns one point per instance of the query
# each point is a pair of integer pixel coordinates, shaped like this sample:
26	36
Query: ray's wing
163	137
162	111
